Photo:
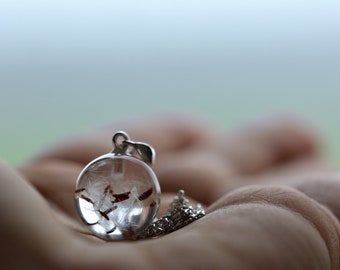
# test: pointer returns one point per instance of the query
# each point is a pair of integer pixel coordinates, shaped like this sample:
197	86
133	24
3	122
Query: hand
249	180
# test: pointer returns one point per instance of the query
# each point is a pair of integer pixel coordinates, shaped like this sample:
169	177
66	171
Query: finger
27	227
287	173
56	181
207	176
269	142
164	132
310	213
324	188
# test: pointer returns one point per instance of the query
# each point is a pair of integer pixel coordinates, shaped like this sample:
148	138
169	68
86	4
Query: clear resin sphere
117	196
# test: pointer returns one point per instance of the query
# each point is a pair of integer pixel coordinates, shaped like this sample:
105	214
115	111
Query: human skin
270	197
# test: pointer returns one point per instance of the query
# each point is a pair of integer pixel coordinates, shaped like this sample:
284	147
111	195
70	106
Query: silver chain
179	214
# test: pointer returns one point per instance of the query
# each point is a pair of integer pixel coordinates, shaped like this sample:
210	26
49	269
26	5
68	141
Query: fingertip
269	142
301	137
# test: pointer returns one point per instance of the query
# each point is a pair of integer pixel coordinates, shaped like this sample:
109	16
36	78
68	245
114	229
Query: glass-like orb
117	196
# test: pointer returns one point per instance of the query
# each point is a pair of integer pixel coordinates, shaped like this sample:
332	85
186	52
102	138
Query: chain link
179	214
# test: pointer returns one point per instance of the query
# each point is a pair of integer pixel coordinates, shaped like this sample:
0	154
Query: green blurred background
70	65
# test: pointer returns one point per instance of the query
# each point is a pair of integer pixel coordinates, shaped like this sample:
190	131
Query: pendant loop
118	140
124	146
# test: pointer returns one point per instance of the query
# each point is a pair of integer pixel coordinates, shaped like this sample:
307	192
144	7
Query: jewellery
179	215
118	195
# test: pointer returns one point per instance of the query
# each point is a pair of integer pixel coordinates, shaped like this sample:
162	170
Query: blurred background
70	65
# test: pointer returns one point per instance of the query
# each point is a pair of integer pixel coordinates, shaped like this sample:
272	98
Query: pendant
118	195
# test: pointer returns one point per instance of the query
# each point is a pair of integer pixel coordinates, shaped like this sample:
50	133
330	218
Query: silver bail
124	146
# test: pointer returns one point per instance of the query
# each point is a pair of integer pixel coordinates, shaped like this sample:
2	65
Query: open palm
249	180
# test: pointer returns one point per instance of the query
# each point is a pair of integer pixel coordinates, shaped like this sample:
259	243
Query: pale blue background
69	65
